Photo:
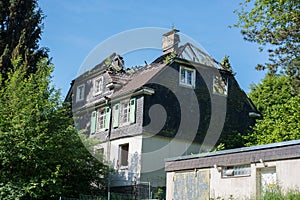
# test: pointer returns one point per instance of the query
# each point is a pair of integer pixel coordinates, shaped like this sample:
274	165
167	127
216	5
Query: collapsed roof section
125	80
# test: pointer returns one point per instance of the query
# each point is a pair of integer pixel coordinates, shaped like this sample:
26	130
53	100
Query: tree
41	155
226	63
274	25
280	110
20	32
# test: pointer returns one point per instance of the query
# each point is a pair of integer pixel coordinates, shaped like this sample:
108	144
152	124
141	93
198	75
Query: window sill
123	168
236	176
223	95
97	94
187	85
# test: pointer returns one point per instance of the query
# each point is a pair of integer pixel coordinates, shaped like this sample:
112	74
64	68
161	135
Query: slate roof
139	79
133	80
246	155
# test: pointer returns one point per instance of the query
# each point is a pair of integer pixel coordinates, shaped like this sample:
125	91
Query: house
242	173
183	103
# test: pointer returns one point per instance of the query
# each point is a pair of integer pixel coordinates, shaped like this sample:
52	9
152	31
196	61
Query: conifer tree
20	32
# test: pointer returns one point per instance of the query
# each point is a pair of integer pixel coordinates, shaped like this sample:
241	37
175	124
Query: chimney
170	41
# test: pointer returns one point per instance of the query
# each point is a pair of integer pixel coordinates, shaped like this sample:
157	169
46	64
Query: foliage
226	63
277	193
169	57
20	31
279	106
41	155
275	26
160	194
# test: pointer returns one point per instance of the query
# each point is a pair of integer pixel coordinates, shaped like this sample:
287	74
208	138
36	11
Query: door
191	185
268	179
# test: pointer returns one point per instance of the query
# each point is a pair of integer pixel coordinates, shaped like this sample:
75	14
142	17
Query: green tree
41	154
20	32
275	26
279	106
226	63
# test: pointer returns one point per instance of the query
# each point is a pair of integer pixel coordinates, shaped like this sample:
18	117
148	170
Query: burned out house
183	103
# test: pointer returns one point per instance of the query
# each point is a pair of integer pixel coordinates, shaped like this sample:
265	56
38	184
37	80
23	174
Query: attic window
80	93
187	76
238	170
220	85
98	85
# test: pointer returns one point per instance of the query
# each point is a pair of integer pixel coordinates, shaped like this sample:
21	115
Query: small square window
123	154
80	93
187	76
220	85
98	85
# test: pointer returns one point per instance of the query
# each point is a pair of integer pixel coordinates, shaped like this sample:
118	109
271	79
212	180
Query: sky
73	28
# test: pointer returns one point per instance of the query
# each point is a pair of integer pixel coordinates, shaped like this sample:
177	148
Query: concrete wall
237	187
244	187
288	174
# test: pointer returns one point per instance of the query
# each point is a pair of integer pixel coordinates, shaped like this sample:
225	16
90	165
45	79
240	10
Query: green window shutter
107	118
116	115
132	110
93	122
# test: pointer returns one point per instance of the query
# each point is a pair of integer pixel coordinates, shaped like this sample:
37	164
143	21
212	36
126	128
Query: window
123	154
98	85
101	119
220	85
238	170
128	111
80	93
187	76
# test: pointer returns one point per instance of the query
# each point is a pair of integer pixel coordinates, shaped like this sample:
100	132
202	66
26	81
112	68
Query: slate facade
171	107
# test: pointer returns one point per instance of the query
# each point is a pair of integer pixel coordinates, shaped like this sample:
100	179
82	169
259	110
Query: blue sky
73	28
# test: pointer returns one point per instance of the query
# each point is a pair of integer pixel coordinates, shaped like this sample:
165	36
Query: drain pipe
108	104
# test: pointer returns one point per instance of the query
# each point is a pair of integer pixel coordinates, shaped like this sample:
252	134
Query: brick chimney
170	41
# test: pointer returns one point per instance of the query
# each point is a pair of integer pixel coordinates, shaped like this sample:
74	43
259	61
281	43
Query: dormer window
80	93
98	85
187	76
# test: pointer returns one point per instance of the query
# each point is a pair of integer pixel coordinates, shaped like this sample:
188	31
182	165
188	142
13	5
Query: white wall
238	187
125	175
288	174
155	150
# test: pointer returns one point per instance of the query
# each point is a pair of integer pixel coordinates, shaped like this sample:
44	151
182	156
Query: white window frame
225	86
236	171
183	81
101	119
125	115
98	88
80	92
